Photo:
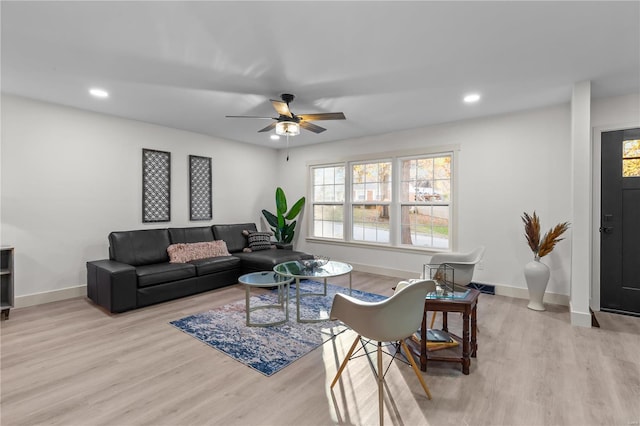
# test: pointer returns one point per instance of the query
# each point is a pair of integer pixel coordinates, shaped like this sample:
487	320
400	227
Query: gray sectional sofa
138	272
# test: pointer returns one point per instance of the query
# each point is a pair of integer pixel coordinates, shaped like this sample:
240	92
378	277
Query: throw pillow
258	241
220	249
185	252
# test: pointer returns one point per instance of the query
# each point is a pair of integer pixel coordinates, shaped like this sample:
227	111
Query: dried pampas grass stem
532	234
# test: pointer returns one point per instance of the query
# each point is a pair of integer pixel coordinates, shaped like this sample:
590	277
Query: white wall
507	165
69	177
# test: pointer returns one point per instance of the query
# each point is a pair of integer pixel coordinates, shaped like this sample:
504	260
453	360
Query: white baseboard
387	272
50	296
501	289
523	293
580	319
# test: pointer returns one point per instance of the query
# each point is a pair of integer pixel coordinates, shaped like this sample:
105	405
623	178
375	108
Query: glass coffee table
295	269
266	279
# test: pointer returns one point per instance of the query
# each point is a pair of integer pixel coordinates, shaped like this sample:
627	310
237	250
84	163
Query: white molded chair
463	265
392	320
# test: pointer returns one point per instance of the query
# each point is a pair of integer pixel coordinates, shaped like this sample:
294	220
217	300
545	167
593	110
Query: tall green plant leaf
271	218
289	232
283	231
295	210
281	201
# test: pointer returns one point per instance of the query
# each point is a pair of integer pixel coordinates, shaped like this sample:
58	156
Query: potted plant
283	230
537	273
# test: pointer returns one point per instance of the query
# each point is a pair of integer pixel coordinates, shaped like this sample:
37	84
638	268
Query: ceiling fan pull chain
287	147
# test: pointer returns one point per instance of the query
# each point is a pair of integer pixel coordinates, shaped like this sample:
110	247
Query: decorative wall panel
156	186
200	200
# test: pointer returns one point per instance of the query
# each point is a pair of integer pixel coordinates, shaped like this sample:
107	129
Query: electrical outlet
480	266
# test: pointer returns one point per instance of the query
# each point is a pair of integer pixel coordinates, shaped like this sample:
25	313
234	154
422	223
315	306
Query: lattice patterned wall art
200	202
156	186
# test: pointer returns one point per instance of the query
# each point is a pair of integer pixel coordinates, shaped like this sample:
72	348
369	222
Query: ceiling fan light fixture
287	128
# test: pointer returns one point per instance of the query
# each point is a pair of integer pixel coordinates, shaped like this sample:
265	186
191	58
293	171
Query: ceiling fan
288	123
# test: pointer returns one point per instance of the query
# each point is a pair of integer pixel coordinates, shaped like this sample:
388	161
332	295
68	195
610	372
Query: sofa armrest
112	285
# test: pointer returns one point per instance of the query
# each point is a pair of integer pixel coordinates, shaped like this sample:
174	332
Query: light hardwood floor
71	363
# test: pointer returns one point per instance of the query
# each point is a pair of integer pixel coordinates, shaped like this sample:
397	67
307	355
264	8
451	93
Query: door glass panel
631	158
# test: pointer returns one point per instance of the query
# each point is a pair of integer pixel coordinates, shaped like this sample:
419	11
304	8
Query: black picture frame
156	186
200	188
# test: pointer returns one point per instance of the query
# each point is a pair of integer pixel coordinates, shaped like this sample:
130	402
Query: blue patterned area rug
270	349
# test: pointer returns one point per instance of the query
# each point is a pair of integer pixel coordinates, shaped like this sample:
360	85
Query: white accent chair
463	265
391	320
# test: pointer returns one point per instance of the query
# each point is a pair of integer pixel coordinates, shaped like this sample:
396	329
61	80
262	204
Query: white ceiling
387	65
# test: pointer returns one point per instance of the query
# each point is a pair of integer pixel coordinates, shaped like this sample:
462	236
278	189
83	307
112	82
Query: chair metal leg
415	368
380	385
346	359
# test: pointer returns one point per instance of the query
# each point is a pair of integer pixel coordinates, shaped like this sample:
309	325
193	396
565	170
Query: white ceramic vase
537	275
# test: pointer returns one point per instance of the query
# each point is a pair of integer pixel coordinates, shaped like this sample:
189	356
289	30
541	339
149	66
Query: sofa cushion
183	253
265	260
232	235
212	265
159	273
258	241
142	247
190	235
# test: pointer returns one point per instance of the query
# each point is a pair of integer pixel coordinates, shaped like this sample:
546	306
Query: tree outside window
371	197
425	194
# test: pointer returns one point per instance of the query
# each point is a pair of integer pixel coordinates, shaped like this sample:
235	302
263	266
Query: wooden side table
468	306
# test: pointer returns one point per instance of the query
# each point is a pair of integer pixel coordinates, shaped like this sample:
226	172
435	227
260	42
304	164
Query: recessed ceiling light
471	98
99	93
275	137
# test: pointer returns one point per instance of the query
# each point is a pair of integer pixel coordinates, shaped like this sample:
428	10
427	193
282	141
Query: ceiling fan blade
250	116
322	116
282	108
312	127
269	128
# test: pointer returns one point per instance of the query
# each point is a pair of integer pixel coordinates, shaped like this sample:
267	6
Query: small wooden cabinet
6	280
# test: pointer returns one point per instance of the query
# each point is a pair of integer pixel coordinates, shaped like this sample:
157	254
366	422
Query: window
631	158
425	195
370	201
399	201
328	201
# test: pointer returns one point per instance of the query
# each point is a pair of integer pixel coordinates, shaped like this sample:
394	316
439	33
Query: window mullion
348	191
394	208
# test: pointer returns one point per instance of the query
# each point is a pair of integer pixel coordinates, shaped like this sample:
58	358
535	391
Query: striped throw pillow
258	241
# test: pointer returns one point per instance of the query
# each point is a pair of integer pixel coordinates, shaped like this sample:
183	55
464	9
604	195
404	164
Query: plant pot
537	275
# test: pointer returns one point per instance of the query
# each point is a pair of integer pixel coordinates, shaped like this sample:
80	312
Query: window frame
395	205
314	203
